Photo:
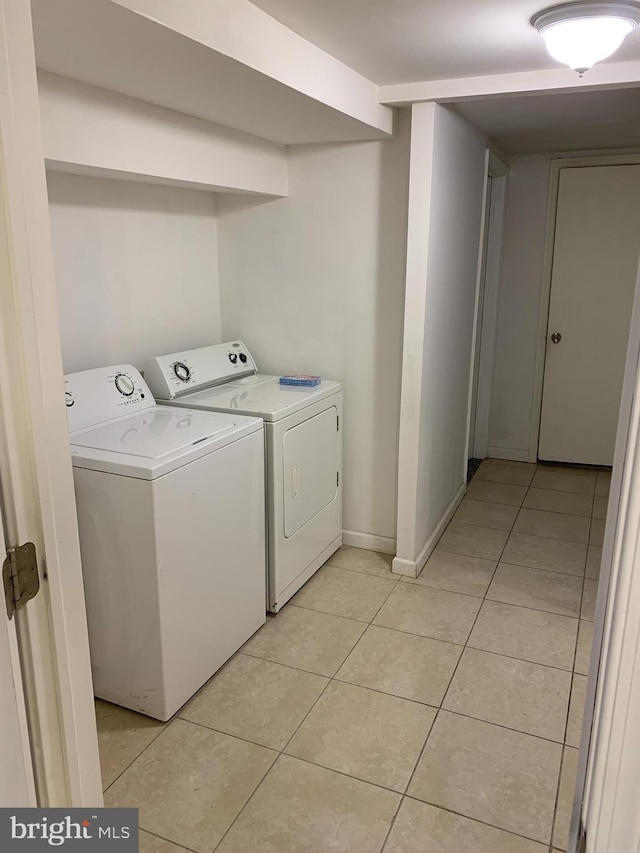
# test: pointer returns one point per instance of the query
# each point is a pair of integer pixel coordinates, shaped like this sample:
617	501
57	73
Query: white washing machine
171	518
303	433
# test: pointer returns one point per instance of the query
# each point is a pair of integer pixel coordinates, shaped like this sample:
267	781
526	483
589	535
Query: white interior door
595	259
16	773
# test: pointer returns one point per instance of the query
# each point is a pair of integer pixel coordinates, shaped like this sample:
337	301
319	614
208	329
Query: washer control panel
175	374
97	396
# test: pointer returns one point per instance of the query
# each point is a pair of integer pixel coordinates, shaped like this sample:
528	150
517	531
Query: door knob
556	337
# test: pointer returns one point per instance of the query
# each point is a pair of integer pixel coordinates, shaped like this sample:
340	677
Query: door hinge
20	578
338	422
337	478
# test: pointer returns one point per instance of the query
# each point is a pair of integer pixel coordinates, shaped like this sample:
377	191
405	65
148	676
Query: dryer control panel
104	394
178	373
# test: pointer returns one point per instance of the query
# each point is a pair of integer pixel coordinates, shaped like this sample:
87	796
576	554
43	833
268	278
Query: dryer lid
261	396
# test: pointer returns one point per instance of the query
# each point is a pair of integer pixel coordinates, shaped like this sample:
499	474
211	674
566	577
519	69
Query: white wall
521	280
314	283
136	269
448	173
89	130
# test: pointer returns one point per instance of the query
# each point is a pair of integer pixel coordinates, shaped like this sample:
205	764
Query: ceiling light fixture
581	34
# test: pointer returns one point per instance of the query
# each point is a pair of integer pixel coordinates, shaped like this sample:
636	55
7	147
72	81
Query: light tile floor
434	715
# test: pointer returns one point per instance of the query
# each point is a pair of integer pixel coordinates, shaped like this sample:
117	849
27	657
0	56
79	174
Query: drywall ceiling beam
599	78
91	131
239	30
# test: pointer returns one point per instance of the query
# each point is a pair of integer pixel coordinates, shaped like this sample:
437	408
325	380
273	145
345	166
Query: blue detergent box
300	380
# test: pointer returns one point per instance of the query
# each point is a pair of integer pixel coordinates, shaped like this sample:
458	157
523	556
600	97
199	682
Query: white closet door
595	259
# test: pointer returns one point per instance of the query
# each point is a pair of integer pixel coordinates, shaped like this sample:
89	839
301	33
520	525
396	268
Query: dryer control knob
124	385
233	357
243	358
182	371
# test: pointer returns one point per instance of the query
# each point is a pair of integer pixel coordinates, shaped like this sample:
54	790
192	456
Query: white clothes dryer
171	519
303	433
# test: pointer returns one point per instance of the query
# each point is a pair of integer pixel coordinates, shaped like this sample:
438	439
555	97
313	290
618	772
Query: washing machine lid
260	396
156	441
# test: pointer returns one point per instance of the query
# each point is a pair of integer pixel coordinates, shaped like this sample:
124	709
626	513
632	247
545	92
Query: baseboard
369	541
432	541
404	567
412	568
508	453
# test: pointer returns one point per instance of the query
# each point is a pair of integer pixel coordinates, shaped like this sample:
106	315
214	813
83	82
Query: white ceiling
396	41
538	124
400	41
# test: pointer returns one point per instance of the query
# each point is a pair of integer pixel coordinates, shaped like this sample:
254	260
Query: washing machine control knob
233	357
124	385
182	371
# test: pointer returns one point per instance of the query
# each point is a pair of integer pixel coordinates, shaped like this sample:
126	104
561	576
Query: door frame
35	464
608	771
486	307
557	164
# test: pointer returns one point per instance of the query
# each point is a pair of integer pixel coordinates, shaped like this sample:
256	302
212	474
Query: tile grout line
177	716
402	579
562	745
537	609
536	535
245	804
401	798
393	823
281	752
168	840
334	678
465	646
474	820
436	640
331	565
537	508
559	776
144	749
246	739
566	726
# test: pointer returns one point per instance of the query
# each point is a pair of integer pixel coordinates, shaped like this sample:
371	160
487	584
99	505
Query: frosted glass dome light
581	34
